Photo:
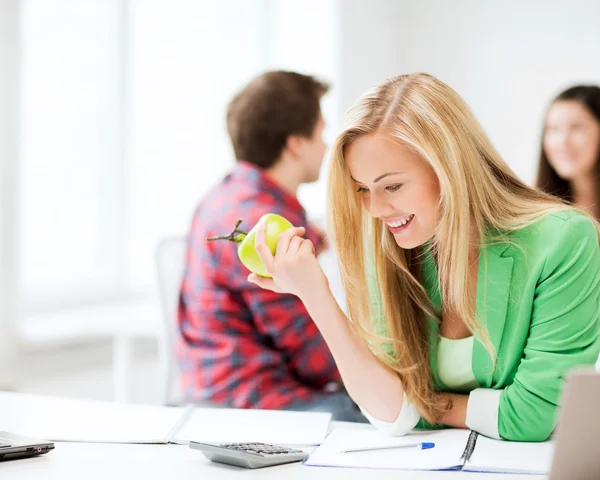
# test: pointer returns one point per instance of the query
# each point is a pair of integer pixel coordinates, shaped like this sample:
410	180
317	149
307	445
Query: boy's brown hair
273	106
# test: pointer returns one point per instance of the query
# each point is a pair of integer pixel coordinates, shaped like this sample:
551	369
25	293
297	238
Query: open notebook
70	419
454	450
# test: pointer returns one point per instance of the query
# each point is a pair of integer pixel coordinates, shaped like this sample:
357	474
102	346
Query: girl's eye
362	189
394	188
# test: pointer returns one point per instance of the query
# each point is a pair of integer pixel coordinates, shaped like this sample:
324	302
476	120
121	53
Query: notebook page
80	420
510	457
214	425
449	447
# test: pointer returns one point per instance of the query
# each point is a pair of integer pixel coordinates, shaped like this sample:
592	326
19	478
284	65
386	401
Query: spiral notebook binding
466	456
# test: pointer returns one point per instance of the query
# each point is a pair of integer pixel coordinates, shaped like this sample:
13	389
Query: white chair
330	265
170	263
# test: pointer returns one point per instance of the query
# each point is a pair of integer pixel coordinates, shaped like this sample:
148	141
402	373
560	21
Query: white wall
304	36
507	59
9	47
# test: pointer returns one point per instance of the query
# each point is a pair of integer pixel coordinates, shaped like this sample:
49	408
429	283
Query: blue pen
422	445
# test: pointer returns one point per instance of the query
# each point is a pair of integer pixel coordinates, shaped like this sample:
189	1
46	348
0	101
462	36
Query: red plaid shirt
241	345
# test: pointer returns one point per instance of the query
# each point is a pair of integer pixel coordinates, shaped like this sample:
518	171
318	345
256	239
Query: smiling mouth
399	224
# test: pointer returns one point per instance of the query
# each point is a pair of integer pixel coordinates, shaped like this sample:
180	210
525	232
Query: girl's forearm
372	385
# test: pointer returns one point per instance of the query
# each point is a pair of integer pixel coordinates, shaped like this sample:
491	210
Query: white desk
70	461
90	461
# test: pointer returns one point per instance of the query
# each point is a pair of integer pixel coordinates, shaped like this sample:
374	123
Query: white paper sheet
211	425
71	419
510	457
449	446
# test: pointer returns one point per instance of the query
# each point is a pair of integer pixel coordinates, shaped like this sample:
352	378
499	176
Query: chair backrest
330	265
170	264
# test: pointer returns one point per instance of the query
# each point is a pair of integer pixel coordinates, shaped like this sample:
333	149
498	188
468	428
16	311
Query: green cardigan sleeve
564	332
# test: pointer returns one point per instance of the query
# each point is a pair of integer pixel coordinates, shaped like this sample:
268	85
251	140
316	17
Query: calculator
249	455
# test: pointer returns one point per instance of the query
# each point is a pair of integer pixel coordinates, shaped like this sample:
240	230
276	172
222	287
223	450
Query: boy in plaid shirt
240	345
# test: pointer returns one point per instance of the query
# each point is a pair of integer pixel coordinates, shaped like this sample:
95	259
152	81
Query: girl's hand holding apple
294	268
278	257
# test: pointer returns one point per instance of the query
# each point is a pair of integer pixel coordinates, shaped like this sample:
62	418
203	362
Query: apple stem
232	236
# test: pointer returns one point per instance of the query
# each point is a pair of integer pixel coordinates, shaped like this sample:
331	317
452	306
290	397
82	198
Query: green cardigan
538	297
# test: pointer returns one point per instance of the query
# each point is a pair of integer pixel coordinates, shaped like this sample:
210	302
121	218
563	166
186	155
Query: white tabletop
114	461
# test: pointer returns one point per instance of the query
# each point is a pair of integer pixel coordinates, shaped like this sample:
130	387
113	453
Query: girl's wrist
457	413
318	295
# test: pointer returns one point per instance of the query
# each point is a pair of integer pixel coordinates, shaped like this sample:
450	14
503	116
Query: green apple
276	225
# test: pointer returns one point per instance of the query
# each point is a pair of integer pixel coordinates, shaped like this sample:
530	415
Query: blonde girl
469	294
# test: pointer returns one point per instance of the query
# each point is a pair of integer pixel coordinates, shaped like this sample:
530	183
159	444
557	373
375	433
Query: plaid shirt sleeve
242	345
284	319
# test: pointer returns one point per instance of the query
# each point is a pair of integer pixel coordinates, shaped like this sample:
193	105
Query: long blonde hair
478	193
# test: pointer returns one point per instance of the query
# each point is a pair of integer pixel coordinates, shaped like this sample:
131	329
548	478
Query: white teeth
401	223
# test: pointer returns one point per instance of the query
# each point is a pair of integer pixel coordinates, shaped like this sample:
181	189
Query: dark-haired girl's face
571	139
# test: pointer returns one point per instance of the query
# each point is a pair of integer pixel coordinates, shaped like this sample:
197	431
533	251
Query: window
70	151
186	60
123	128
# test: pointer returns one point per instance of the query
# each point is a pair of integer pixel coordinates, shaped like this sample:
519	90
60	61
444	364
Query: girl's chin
408	244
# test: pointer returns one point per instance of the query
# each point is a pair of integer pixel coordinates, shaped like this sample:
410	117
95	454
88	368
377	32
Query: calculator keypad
249	454
261	448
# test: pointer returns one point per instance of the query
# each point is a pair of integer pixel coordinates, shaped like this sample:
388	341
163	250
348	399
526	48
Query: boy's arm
284	319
